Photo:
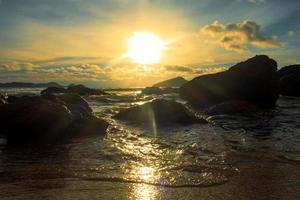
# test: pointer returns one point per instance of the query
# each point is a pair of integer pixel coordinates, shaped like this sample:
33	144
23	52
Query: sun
145	48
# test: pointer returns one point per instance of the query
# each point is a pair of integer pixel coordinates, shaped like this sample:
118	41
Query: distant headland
29	85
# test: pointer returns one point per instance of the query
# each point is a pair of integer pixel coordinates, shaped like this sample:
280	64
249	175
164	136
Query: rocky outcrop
74	89
82	90
254	80
289	80
48	118
152	90
2	100
54	90
29	85
174	82
159	91
288	70
159	112
169	90
232	107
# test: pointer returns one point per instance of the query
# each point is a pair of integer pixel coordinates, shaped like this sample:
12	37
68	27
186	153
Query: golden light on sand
145	48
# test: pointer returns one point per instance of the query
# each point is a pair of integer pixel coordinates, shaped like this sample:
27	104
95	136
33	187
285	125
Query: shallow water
215	160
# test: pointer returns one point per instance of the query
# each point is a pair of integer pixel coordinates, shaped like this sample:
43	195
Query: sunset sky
87	41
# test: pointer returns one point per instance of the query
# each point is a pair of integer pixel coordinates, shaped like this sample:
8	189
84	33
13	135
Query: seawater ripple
191	156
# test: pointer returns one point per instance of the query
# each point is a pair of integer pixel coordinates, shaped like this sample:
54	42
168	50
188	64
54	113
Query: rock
288	70
169	90
290	85
82	90
174	82
2	102
232	107
159	112
48	119
74	89
20	98
29	85
88	125
254	80
159	91
152	90
31	119
2	99
54	90
75	103
289	80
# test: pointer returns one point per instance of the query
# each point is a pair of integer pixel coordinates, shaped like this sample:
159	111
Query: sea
248	156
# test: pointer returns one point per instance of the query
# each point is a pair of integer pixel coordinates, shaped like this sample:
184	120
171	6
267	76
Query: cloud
63	72
293	33
237	36
17	67
256	1
96	75
191	71
209	70
252	1
179	68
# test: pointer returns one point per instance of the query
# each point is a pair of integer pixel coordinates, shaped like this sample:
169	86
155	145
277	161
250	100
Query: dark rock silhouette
48	118
174	82
288	70
289	80
232	107
54	90
2	99
160	112
152	90
254	80
74	103
74	89
169	90
29	85
159	91
82	90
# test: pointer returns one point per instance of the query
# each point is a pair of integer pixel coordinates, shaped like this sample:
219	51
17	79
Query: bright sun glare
145	48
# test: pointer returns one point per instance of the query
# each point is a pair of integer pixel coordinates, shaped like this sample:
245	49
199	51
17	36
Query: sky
84	41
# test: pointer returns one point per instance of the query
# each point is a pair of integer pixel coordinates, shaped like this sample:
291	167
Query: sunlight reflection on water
146	170
146	173
143	192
